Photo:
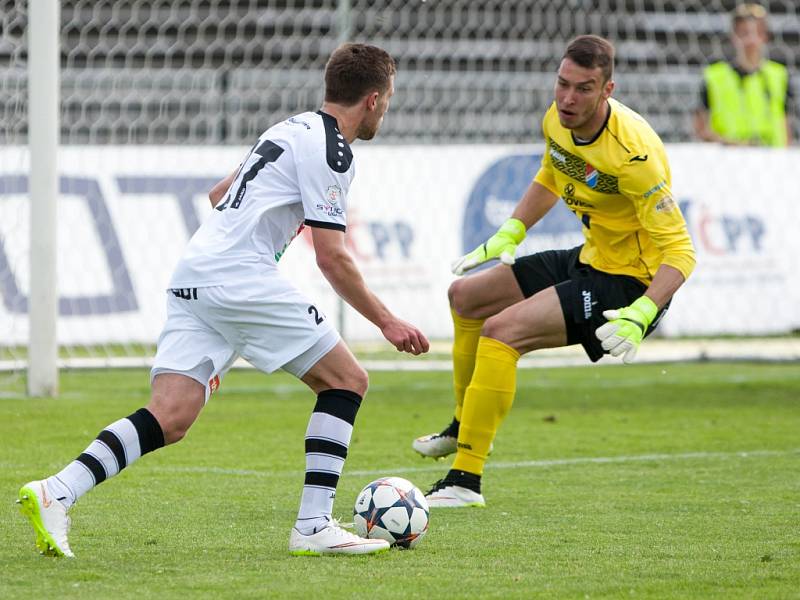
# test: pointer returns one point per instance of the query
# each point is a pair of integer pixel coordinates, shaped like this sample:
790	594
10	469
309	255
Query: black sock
452	429
464	479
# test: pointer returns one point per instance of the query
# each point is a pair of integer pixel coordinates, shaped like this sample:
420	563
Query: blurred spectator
744	102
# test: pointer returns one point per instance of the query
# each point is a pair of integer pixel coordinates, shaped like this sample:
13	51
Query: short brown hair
354	70
591	51
747	11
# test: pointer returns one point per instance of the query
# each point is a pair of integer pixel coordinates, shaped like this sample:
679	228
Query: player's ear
608	88
372	100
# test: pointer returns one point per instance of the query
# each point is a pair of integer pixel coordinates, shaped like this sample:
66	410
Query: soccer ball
392	509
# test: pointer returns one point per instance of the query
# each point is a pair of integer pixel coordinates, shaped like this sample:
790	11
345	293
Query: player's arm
701	119
220	188
339	268
665	283
702	127
533	205
647	185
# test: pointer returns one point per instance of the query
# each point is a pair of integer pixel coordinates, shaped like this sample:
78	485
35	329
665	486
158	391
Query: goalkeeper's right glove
502	245
626	327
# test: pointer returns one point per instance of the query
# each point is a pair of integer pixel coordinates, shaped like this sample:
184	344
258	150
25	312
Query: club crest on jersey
331	203
333	194
592	175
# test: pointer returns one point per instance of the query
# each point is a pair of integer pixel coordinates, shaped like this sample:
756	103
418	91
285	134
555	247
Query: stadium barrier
126	213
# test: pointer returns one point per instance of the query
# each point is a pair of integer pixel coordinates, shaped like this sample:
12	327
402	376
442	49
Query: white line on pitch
524	464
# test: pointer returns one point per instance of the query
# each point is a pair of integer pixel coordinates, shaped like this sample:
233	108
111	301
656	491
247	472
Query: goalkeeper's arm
533	205
665	283
626	326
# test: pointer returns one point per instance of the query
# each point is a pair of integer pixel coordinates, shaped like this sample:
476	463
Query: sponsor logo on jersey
577	168
666	204
660	186
295	121
330	205
557	155
213	384
571	200
592	175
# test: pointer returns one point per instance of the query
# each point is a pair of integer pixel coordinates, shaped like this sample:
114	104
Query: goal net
161	99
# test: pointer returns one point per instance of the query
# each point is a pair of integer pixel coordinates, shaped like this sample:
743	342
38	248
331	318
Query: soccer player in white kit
227	299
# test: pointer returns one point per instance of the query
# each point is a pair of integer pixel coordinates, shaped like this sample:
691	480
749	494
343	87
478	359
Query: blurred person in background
744	102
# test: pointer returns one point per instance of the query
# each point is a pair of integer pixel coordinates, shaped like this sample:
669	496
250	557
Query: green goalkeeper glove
502	245
626	327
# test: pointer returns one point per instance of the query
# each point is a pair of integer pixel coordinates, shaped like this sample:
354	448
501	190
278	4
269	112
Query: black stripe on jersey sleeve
325	225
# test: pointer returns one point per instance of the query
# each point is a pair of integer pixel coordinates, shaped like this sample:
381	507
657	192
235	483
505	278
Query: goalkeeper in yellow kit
611	169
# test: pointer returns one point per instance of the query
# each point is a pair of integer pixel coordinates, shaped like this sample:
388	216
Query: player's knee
358	381
174	416
499	329
459	297
175	433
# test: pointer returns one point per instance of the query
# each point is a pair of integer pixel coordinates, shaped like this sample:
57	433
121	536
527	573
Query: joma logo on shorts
587	304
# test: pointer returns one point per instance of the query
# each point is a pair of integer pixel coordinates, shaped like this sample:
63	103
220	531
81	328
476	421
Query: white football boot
435	445
333	540
439	445
444	494
48	517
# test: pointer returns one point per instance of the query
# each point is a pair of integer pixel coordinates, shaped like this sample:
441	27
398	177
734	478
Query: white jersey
298	173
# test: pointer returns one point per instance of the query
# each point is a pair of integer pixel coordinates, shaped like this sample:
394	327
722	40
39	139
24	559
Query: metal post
343	21
43	128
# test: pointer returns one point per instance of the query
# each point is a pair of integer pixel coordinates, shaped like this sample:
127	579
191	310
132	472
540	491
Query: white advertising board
125	214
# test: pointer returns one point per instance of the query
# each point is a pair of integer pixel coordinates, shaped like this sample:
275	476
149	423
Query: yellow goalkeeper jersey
618	185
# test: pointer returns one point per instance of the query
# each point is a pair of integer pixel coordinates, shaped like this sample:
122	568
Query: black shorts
584	293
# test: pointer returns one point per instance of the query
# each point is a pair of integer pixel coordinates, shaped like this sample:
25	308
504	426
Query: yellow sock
486	403
465	341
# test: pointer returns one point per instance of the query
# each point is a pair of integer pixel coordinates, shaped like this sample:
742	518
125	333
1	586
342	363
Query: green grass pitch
652	481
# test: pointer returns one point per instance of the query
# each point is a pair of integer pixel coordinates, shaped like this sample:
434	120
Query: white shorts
268	322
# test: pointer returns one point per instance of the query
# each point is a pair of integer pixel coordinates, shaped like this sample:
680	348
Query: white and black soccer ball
392	509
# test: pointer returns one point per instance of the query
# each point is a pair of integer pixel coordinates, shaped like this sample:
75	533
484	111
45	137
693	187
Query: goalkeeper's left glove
626	327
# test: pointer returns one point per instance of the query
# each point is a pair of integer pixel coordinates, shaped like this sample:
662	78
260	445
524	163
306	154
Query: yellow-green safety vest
748	107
